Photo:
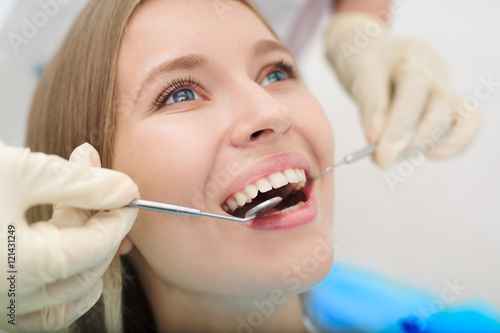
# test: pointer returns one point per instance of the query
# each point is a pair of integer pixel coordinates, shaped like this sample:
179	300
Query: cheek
312	122
162	156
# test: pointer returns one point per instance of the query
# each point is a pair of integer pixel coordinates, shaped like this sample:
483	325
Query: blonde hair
75	103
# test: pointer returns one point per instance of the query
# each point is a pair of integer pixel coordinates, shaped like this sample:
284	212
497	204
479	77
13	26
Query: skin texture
379	8
199	272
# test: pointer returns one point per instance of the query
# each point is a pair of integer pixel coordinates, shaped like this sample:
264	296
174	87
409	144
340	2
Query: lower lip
300	216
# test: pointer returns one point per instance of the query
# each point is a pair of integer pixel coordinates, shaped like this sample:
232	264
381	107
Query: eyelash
288	68
189	82
172	87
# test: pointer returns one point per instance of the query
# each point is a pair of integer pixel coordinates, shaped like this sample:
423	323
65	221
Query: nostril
256	134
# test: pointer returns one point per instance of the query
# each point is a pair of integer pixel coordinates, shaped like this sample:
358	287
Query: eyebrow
267	45
193	61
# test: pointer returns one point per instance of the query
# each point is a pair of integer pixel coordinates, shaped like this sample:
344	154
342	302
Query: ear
125	246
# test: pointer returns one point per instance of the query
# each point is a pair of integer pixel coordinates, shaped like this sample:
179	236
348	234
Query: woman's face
209	111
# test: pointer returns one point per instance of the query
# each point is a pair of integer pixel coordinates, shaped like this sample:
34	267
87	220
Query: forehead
222	31
174	27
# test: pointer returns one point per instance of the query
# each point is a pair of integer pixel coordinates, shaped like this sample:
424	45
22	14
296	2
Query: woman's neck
179	310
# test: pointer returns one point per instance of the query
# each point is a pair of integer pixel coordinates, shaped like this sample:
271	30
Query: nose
258	117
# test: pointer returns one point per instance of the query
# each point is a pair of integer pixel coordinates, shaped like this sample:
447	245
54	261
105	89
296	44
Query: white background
442	223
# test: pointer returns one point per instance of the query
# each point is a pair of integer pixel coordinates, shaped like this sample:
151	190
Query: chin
300	262
309	271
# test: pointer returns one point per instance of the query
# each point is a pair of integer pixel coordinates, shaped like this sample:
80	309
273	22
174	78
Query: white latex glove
402	89
58	263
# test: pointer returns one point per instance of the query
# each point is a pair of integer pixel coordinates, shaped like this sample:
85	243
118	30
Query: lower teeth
289	209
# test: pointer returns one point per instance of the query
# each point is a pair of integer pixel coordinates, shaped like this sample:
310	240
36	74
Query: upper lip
265	167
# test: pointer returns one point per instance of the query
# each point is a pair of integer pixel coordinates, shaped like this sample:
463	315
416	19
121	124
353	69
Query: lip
275	163
300	216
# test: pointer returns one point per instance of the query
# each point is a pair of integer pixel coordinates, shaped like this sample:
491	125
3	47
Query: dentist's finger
63	291
59	317
61	253
373	97
46	179
464	128
434	124
409	101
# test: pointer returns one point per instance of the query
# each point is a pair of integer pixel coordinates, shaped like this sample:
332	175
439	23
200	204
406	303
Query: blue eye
183	96
274	77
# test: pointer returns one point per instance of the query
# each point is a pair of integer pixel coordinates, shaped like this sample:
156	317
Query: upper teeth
265	184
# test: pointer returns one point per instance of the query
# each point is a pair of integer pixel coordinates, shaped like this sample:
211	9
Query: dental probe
175	209
348	159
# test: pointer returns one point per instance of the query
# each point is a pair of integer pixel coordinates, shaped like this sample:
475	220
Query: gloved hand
57	265
402	89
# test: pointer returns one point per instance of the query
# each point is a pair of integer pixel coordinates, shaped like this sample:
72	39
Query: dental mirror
263	207
258	210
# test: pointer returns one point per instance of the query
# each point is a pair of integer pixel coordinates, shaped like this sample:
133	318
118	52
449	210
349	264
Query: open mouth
288	184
